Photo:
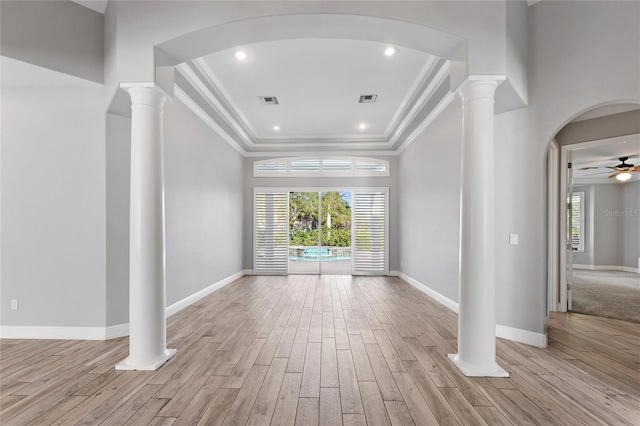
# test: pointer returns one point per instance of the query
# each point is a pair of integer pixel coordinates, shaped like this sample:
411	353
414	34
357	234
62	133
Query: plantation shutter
271	226
370	239
577	221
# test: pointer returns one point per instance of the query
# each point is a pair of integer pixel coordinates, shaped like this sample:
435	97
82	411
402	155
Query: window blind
271	233
370	233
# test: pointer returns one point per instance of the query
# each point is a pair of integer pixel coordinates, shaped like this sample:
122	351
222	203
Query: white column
147	323
476	318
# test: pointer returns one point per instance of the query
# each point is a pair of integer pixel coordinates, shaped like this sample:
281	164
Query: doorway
320	238
324	231
598	249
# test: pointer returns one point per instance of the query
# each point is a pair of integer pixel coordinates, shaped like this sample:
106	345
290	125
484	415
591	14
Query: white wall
53	206
581	55
606	198
203	189
58	35
612	225
429	220
630	229
203	204
118	163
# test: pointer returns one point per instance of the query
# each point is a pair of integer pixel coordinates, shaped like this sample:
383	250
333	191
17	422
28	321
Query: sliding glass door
335	239
320	232
304	224
314	232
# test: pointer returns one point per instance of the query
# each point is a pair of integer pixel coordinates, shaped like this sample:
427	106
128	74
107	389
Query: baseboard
54	333
502	331
248	272
443	300
521	336
607	268
180	305
115	331
105	333
394	273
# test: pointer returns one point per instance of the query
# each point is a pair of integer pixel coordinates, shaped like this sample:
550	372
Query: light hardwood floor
326	350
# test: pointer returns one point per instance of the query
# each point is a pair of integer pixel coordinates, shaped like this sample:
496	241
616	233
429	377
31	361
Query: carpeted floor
610	294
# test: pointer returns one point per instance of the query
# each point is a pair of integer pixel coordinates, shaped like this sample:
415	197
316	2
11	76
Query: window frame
581	243
357	167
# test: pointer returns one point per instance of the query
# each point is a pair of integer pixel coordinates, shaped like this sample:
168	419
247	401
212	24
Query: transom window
333	166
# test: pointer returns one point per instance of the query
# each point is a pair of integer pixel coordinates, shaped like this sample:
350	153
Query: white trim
187	301
105	333
278	154
321	170
420	80
394	273
425	96
248	272
502	331
115	331
443	300
54	333
553	226
215	83
435	113
522	336
199	112
144	85
607	268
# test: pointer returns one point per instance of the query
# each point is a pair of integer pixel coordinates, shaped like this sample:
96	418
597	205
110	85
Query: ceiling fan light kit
623	170
623	177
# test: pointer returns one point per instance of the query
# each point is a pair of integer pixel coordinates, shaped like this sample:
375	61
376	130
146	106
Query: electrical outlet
14	304
513	239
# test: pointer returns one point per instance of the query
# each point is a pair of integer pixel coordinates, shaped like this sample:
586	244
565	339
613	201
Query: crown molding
203	80
205	92
198	111
425	96
404	108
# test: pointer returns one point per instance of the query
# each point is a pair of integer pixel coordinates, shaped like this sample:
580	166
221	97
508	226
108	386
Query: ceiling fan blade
596	174
635	169
613	174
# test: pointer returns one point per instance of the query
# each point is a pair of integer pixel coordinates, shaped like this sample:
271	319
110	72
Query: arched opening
590	222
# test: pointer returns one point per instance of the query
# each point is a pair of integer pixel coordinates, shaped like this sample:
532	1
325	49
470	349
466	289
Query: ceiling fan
623	170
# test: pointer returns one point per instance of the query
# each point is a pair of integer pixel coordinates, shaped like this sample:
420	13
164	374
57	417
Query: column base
478	371
124	365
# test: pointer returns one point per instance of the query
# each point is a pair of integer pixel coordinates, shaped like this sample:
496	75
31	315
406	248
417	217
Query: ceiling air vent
368	99
268	100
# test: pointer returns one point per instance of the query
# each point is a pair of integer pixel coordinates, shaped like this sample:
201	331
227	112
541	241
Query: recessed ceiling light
241	55
362	126
389	51
276	128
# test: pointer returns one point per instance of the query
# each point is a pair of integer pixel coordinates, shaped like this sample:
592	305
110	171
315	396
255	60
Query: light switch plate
513	239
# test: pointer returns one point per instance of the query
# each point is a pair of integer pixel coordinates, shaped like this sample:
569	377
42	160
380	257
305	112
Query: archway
608	125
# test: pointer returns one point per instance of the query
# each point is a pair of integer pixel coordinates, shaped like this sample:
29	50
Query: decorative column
476	318
147	323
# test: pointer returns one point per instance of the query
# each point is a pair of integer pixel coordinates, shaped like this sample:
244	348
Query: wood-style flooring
328	350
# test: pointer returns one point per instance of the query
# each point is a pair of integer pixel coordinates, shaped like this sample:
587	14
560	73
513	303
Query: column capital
146	93
479	87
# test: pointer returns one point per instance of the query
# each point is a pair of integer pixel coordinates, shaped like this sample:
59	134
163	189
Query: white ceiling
318	84
606	155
